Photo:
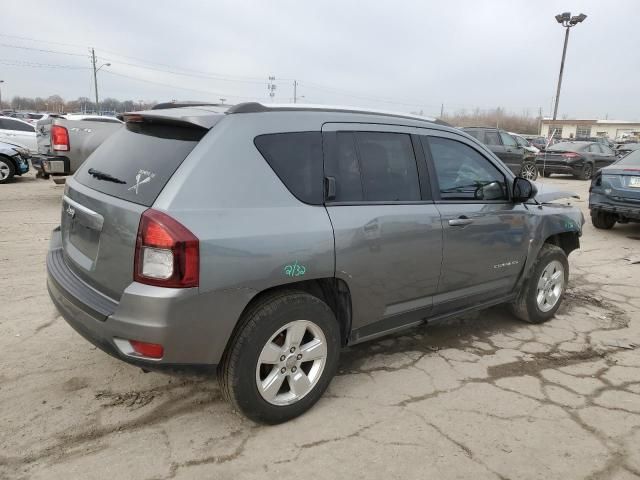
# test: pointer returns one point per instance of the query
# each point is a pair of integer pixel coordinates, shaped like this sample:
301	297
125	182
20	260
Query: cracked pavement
480	396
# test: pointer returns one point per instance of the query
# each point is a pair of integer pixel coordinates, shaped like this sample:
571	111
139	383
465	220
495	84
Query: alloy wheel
528	171
5	171
550	286
291	362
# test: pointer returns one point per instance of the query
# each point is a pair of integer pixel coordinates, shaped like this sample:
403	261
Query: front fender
559	225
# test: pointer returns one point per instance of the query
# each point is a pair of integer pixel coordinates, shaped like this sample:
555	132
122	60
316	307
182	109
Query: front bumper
190	326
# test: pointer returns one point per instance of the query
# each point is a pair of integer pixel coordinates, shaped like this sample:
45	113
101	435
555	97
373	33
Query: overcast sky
396	55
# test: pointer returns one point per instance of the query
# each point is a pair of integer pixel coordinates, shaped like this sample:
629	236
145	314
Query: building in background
611	129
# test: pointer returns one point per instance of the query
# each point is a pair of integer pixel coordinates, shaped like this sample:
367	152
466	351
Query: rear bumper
572	169
193	328
54	165
631	212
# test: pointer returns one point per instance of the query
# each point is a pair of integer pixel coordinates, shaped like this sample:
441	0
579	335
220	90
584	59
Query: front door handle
460	222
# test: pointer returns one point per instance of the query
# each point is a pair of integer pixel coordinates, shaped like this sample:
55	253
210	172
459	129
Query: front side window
387	166
508	140
463	173
606	150
595	148
296	158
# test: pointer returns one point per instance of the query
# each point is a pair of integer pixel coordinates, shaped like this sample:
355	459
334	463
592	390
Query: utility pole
95	79
295	91
442	110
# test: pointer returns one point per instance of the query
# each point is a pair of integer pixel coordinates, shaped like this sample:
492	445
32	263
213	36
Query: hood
547	193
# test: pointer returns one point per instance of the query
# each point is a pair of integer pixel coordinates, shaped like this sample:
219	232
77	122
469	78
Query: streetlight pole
1	81
567	21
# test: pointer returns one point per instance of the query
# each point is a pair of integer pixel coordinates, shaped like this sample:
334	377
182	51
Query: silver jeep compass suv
259	240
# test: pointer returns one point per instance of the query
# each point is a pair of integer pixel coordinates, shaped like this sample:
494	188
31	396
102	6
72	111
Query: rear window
137	161
633	159
567	146
296	158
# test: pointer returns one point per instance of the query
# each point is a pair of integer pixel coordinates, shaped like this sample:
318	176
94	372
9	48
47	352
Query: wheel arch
333	291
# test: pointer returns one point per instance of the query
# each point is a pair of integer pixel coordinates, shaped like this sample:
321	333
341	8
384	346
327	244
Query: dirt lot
479	397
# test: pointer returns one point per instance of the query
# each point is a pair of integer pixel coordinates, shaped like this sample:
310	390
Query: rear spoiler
201	117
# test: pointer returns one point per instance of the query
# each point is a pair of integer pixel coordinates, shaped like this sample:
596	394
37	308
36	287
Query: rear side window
8	124
491	138
388	167
296	158
140	159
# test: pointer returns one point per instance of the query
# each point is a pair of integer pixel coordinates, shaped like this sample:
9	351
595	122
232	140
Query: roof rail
256	107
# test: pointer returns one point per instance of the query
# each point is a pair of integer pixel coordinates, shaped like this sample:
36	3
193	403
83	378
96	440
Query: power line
208	92
20	63
42	50
43	41
196	75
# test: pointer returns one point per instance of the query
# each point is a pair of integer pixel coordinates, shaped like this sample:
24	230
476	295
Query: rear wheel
546	173
541	295
529	171
602	220
7	170
587	172
282	358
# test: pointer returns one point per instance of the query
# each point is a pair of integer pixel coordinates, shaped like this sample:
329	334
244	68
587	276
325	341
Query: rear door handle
460	222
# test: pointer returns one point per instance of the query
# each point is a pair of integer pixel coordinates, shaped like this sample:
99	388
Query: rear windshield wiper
104	176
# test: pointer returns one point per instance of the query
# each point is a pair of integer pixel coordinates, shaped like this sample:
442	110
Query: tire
527	307
587	172
529	171
264	334
7	170
546	174
602	220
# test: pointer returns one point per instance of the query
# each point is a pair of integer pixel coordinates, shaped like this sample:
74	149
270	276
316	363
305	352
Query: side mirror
523	190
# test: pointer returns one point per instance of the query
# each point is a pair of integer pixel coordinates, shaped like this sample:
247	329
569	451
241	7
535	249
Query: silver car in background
259	240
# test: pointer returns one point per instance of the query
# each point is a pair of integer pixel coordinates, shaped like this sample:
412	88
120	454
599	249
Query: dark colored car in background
540	142
614	195
626	148
506	148
580	159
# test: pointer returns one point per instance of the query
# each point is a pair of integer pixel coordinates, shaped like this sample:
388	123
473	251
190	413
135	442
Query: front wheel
529	171
7	170
541	295
282	358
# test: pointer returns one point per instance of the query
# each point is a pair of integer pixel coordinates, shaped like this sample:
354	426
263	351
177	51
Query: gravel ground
484	396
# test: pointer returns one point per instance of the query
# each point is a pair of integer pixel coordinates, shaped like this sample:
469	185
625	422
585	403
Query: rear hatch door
105	199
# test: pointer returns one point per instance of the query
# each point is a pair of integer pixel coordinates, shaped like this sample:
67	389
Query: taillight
570	155
59	138
167	254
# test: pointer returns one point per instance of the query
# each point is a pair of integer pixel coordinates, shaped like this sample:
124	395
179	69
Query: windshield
633	159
